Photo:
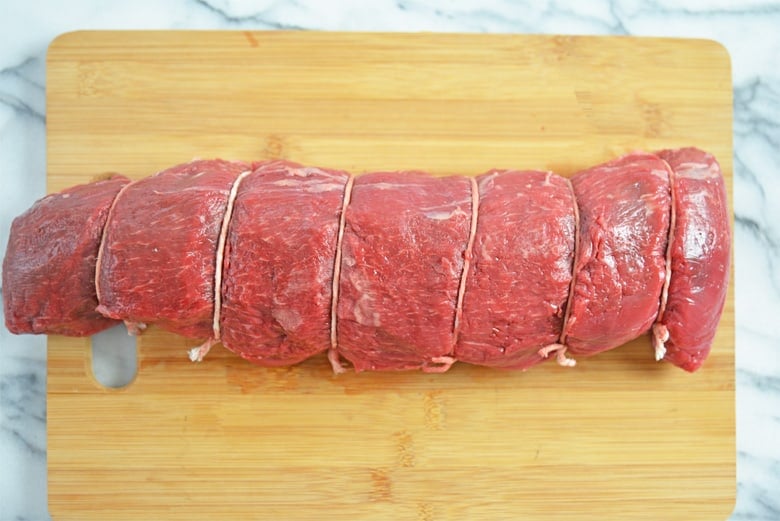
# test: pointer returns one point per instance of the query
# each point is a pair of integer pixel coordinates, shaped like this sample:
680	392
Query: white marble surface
749	29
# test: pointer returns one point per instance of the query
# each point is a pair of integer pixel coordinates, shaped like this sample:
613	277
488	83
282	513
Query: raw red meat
625	208
402	260
390	270
49	265
278	263
700	259
518	284
160	245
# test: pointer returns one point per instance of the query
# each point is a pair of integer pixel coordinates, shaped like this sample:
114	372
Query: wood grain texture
618	437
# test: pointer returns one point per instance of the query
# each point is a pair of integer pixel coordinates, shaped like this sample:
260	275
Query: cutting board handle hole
114	358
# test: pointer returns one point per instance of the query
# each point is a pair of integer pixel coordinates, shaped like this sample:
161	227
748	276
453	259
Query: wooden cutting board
618	437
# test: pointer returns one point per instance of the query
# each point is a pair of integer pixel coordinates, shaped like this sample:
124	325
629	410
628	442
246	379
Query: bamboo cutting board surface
618	437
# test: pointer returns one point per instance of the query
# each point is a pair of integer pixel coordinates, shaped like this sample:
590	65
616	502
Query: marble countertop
748	29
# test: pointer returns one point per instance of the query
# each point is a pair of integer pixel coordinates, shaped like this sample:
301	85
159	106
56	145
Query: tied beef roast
389	270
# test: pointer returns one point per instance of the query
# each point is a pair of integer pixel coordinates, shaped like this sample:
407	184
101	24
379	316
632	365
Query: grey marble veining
748	29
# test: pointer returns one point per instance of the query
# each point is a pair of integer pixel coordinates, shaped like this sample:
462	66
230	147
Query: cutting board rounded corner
65	39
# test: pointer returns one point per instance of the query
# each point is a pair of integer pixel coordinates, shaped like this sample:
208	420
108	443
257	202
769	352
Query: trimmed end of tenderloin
689	358
560	354
49	263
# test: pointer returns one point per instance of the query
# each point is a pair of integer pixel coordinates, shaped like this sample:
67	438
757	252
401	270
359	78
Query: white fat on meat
289	319
700	170
438	364
308	186
364	311
443	215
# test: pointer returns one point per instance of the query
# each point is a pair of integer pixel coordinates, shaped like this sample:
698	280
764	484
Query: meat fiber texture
620	264
49	265
700	259
402	257
518	284
389	270
278	263
157	260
